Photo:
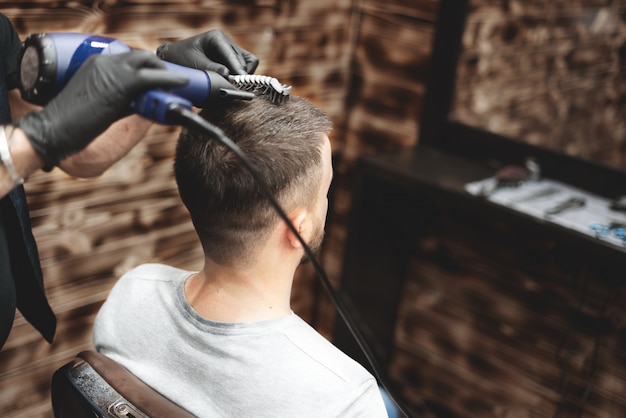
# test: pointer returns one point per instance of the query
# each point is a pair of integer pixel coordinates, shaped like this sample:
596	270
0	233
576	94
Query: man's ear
299	219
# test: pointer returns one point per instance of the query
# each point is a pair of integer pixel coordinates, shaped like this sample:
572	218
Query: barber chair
92	385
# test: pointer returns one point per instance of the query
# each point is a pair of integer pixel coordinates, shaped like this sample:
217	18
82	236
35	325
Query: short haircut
283	142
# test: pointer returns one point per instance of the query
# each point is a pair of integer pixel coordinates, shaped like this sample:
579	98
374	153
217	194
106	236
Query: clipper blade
262	85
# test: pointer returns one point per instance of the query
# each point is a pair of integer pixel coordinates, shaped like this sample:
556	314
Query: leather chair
93	385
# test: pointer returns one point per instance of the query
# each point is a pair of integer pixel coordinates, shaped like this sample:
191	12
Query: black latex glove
212	50
100	92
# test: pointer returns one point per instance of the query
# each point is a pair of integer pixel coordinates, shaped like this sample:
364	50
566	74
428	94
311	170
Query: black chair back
94	386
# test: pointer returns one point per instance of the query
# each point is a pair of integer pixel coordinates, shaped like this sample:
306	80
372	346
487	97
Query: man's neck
228	294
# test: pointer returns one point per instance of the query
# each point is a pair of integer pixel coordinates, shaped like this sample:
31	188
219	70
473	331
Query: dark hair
283	143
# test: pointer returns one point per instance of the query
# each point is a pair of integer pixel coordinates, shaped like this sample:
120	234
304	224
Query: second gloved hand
212	50
100	93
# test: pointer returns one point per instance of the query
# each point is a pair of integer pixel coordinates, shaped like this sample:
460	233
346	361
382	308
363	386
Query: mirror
533	78
550	74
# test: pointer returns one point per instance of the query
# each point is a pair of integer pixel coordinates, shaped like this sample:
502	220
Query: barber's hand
100	92
212	50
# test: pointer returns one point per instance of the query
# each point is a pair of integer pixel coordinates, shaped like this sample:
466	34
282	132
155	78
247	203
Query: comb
262	85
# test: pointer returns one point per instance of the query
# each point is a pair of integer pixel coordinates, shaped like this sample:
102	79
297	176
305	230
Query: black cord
188	118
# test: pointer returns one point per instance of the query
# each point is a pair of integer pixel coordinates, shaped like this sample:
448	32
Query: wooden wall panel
500	323
388	76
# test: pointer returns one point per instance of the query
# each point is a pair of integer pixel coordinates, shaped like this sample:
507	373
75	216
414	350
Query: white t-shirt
276	368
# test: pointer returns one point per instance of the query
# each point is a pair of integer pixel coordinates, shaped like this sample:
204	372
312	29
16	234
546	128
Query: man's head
288	147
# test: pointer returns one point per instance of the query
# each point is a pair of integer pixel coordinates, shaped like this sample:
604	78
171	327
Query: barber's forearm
108	148
25	159
103	152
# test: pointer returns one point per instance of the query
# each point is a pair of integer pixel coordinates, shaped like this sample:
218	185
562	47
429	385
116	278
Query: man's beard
315	245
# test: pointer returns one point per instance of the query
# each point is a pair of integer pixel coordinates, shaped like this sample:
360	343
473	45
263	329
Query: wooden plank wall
388	76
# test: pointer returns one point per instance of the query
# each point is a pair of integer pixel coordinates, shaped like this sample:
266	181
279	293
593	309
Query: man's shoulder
154	272
150	274
327	355
153	269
